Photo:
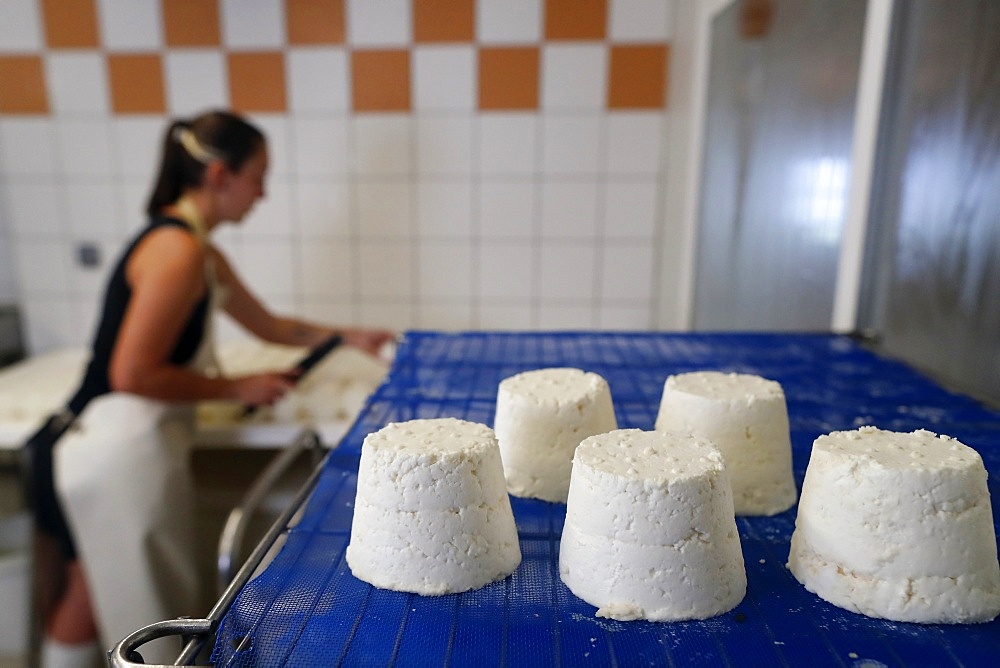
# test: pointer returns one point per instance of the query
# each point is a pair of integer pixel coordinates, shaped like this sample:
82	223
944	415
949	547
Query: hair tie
195	148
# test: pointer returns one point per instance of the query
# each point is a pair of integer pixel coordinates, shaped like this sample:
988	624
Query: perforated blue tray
306	609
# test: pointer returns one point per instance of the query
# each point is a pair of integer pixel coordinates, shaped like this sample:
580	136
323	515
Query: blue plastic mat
306	609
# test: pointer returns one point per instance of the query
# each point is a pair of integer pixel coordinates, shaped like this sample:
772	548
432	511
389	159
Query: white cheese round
745	416
650	531
541	416
898	526
432	515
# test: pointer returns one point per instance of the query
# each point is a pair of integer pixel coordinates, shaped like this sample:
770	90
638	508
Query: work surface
327	400
307	609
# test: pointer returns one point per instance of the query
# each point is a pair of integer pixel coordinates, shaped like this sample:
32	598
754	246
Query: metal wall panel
933	278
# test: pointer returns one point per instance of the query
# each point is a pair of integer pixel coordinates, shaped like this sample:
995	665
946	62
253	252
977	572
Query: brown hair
190	144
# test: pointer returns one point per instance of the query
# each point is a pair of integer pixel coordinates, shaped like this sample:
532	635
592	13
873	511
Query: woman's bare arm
166	275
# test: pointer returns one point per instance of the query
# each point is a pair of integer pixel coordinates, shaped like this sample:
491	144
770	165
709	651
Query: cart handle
125	654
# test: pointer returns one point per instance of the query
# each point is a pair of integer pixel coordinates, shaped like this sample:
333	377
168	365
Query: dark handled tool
306	363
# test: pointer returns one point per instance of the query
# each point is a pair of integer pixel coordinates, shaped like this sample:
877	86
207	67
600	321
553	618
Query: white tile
253	24
444	145
43	267
20	26
506	270
508	143
196	80
318	79
8	272
27	147
130	25
444	270
33	209
78	82
574	76
635	142
50	323
569	209
562	316
444	208
446	315
379	23
134	196
384	208
566	271
641	20
396	314
320	146
630	210
444	78
323	208
626	272
386	269
279	143
334	312
383	144
571	144
504	316
94	209
625	318
272	216
138	146
85	148
268	269
325	268
509	21
507	208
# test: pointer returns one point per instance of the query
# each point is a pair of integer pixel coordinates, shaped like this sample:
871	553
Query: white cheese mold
897	526
432	515
541	416
650	531
746	417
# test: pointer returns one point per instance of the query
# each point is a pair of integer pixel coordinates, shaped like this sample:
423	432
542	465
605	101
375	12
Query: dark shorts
39	480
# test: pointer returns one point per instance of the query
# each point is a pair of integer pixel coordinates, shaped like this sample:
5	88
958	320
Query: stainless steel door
783	79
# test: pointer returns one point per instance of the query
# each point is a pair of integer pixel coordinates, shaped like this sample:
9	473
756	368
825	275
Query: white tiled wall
445	217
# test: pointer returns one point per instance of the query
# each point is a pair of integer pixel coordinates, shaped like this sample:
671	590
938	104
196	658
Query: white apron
124	478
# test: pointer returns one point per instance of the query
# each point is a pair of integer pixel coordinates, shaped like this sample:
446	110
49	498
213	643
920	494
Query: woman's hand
370	341
263	389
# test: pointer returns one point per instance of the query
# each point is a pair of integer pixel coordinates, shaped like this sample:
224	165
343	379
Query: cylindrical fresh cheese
432	515
898	526
745	416
541	416
650	531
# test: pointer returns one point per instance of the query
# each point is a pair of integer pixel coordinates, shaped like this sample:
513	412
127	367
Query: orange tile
576	19
315	21
508	78
444	20
637	77
380	80
191	22
22	85
136	81
70	24
257	81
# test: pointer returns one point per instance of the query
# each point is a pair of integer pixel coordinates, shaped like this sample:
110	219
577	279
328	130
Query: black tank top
116	300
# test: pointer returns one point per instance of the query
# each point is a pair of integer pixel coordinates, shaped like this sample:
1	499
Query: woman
121	472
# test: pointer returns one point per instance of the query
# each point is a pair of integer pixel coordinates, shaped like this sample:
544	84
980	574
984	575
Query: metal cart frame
195	633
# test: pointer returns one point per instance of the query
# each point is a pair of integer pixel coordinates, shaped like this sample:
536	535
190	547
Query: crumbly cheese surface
745	416
541	416
898	526
650	531
432	515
